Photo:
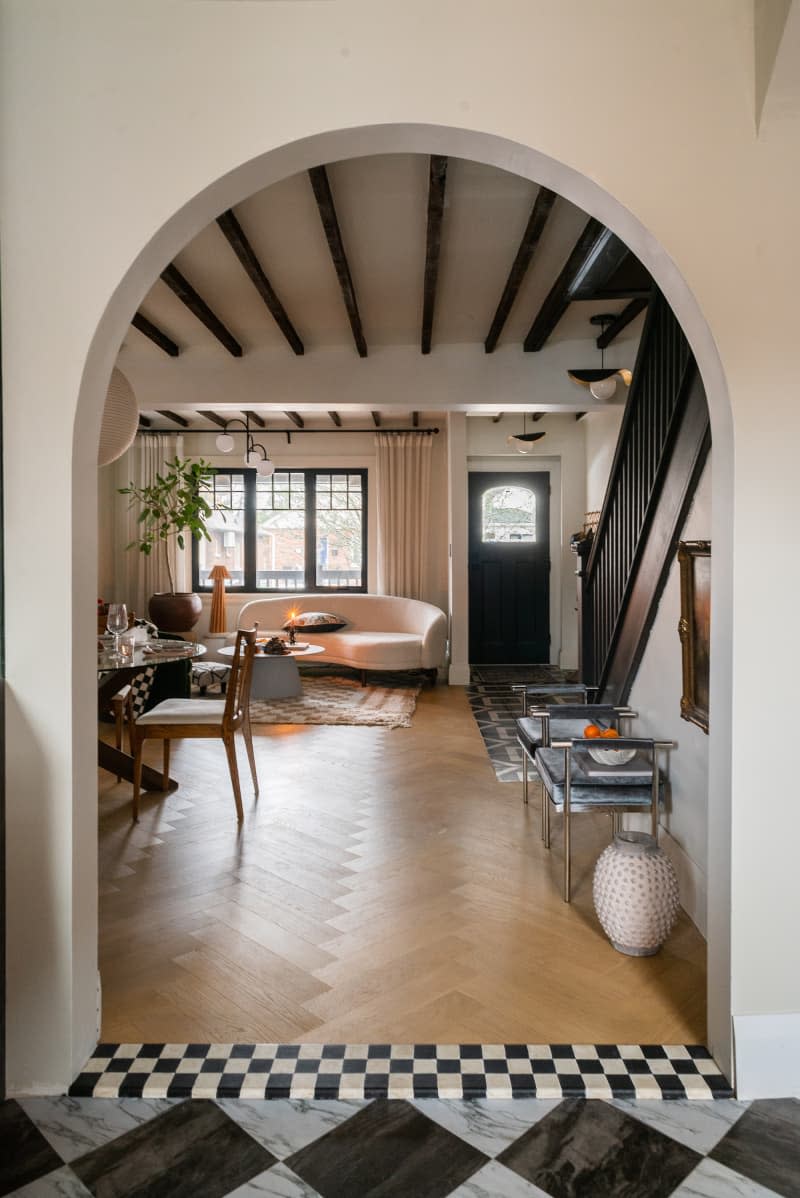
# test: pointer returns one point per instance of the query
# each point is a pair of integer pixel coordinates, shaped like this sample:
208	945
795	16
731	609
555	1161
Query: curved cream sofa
382	632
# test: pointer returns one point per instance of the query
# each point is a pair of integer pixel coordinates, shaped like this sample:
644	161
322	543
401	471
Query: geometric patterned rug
338	1071
425	1148
496	708
335	700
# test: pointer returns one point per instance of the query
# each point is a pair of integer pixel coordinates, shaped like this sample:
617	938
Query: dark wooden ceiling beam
628	313
243	250
535	416
589	245
322	194
156	335
376	419
144	422
255	419
336	418
437	181
579	415
175	418
537	220
296	419
214	418
415	419
199	308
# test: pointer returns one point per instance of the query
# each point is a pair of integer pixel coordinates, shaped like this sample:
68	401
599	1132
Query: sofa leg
432	676
363	677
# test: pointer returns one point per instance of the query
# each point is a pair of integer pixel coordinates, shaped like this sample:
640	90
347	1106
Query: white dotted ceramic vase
636	894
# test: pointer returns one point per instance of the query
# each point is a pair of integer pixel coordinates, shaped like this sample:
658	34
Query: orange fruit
609	733
591	730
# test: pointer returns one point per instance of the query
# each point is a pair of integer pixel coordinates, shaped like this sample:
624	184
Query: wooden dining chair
184	719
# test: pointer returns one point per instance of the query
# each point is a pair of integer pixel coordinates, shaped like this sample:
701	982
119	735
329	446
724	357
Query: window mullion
311	530
250	521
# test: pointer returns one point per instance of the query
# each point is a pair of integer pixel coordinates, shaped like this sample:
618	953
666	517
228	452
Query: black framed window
296	530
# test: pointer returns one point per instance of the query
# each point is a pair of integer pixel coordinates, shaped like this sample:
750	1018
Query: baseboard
458	675
767	1055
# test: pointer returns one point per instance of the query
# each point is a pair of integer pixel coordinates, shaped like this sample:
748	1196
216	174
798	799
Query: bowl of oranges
605	753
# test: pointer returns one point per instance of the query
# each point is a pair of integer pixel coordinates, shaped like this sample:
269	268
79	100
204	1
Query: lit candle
292	615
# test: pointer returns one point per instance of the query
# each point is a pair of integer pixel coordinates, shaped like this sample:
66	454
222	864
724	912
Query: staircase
662	448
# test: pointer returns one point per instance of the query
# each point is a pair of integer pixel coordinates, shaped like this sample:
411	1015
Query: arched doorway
225	192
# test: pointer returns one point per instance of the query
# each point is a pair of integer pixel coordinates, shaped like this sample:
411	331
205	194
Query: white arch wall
115	116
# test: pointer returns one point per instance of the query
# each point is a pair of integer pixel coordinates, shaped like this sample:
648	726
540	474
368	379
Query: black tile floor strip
358	1071
496	707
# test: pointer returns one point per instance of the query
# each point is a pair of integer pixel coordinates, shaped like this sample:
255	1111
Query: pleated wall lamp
523	442
602	383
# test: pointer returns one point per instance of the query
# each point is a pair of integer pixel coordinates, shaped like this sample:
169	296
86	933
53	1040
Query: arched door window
508	514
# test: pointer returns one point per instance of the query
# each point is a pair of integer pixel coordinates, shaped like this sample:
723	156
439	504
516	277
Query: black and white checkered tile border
401	1071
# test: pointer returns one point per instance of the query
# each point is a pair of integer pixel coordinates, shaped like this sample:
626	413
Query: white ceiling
381	204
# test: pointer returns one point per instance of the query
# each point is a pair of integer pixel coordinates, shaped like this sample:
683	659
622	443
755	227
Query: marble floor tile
285	1125
698	1125
74	1126
764	1145
193	1150
592	1148
495	1181
490	1125
61	1183
24	1152
712	1180
278	1182
389	1149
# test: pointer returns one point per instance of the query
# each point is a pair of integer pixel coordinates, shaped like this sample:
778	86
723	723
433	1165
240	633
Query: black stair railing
662	381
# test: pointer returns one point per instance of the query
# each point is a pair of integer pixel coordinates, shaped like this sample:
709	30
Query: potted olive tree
169	509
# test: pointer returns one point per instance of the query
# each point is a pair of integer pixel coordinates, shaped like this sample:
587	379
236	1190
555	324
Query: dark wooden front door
509	568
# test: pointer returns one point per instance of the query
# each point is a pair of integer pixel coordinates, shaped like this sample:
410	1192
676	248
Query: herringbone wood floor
384	888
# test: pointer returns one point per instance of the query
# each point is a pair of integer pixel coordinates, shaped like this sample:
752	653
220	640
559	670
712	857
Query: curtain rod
288	432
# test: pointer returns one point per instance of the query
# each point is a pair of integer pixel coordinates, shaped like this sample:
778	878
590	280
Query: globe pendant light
255	454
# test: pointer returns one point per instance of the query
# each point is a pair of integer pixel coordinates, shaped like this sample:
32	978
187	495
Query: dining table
115	672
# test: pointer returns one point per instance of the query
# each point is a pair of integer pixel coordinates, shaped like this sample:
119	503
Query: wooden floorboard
384	887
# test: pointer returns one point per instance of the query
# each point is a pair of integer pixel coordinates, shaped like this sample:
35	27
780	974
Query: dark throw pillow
316	621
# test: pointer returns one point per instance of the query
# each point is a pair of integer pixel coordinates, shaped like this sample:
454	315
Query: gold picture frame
694	629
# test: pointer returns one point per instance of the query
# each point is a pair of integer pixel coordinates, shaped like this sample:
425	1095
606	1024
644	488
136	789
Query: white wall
656	696
107	170
601	431
107	500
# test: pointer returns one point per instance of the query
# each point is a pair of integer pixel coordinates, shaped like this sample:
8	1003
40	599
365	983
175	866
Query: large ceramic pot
636	894
178	612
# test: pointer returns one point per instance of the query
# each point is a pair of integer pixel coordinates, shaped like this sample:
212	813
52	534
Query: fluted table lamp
217	619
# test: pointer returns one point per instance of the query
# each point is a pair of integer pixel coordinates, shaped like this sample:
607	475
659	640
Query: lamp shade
120	419
216	619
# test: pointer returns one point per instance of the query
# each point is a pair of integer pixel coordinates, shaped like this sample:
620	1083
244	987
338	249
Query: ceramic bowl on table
606	756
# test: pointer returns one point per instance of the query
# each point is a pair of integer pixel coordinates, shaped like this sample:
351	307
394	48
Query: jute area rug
340	701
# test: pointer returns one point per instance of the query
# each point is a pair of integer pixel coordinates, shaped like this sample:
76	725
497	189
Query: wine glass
117	623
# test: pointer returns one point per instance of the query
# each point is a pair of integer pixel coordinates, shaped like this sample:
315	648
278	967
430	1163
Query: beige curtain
404	487
138	576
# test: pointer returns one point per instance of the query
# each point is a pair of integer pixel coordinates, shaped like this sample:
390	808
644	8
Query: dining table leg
120	763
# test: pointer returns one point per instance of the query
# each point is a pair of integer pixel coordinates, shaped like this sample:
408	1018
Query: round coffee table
275	675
